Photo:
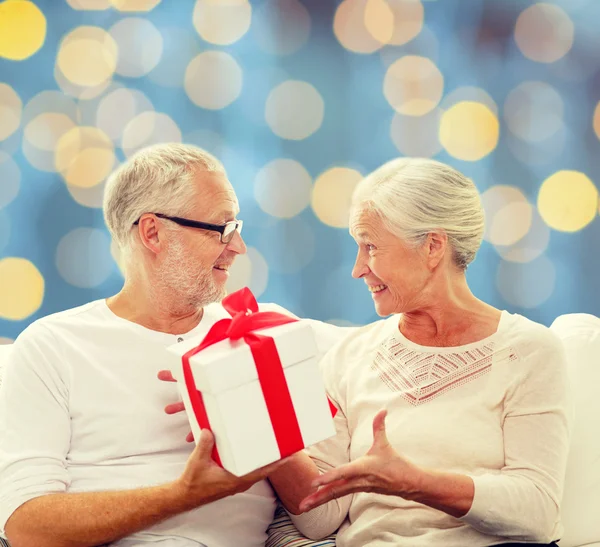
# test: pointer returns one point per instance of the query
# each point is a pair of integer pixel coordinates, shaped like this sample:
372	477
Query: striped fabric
4	543
283	533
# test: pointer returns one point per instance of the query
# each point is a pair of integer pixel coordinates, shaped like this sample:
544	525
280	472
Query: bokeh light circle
471	94
417	136
526	285
249	270
87	56
531	246
41	137
294	110
134	5
544	32
281	27
140	46
508	215
84	156
90	5
10	179
149	128
21	290
222	22
596	120
534	111
469	131
22	29
213	80
413	85
408	16
350	25
11	108
332	195
568	201
91	197
83	257
283	188
118	108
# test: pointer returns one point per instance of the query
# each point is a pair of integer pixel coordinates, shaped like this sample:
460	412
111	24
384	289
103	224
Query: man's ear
151	233
436	246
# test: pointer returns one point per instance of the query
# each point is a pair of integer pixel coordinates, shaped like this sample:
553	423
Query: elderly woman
474	446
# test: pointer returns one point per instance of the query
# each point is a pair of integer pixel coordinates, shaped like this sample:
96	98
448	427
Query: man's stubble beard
188	284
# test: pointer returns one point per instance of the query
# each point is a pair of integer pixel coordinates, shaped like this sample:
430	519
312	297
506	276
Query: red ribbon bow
245	319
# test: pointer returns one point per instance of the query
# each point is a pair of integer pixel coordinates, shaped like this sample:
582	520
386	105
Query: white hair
157	179
418	196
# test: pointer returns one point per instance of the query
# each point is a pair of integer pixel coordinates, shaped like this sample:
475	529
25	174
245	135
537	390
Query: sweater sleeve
522	500
34	423
326	519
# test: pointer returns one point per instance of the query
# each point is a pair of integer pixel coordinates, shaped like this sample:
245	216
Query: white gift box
226	375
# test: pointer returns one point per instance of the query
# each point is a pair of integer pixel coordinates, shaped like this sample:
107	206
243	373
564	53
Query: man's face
196	262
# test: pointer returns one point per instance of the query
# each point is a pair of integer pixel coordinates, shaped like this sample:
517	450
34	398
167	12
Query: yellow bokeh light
11	108
22	29
134	5
469	93
149	128
469	131
413	85
222	22
213	80
544	33
294	110
87	56
45	130
408	16
21	290
89	5
332	195
379	20
84	156
508	215
349	26
568	201
596	121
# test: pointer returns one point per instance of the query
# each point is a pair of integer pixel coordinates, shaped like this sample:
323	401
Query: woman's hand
382	470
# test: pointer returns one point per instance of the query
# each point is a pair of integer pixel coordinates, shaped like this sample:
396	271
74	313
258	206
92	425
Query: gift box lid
230	364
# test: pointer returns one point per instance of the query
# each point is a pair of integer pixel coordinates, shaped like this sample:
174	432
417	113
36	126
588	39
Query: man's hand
174	408
382	470
203	481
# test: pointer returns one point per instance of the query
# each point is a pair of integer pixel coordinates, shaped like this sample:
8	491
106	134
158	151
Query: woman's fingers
379	435
330	492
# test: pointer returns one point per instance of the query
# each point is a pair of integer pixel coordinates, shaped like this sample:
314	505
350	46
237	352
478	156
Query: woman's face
396	274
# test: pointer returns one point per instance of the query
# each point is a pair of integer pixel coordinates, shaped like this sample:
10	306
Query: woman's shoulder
530	338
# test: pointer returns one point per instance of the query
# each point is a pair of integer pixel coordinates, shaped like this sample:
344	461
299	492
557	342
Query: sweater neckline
505	317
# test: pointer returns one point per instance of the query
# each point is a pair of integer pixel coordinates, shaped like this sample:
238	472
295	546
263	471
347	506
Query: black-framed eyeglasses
226	230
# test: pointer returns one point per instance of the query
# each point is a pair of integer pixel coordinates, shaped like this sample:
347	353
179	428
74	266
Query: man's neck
136	304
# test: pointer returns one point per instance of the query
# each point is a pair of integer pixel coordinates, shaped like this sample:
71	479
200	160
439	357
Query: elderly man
88	455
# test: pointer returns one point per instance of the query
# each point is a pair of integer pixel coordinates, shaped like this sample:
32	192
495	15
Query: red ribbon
246	318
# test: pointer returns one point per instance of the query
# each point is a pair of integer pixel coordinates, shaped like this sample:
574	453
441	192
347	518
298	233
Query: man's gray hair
417	196
157	179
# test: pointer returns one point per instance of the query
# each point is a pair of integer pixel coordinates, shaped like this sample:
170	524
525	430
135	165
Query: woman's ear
436	246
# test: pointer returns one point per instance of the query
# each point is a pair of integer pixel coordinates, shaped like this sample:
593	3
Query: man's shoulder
57	321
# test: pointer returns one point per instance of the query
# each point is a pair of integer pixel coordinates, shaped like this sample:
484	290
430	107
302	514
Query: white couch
581	502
